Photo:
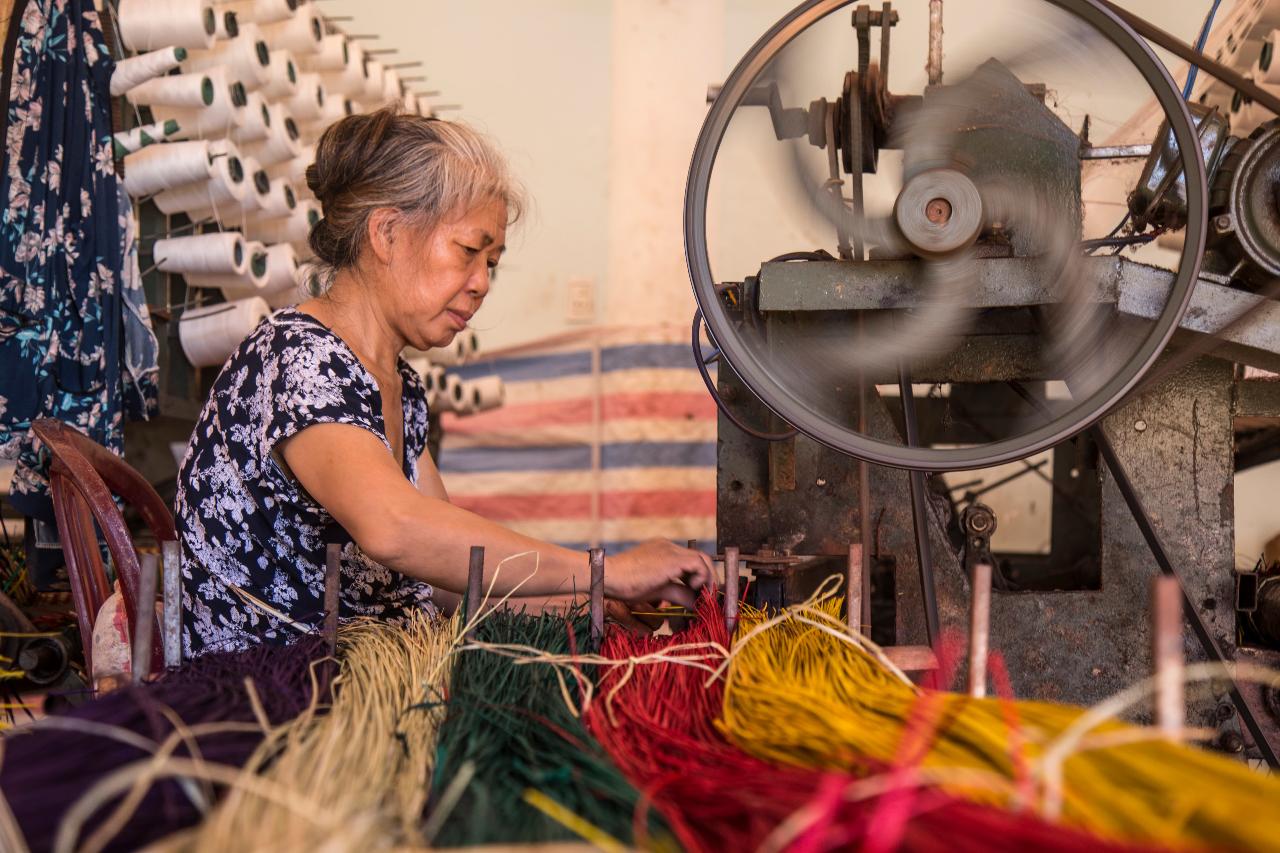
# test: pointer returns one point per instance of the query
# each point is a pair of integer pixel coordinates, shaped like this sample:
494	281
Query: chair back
83	476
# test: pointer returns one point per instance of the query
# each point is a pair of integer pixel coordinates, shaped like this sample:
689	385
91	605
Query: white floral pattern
244	523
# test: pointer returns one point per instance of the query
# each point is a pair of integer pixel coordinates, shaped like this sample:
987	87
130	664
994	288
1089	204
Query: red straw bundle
658	728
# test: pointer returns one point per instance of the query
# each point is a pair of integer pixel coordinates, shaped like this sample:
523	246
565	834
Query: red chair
83	476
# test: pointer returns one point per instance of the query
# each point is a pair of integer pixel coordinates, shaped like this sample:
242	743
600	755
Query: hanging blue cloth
61	242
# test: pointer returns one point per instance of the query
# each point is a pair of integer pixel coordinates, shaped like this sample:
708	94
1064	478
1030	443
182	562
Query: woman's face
439	278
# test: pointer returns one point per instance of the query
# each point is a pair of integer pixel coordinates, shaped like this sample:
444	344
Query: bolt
1225	711
938	211
1140	425
1222	223
1231	742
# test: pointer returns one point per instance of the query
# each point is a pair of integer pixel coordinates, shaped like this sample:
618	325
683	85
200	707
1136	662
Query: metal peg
475	585
730	589
596	606
144	611
979	628
1166	600
332	584
171	565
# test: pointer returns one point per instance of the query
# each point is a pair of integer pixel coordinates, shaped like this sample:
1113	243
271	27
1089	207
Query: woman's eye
470	250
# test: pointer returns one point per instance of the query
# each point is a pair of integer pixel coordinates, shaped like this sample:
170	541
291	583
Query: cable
1204	36
715	396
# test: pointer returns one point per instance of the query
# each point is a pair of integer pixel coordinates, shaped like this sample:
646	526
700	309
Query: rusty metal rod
979	628
332	584
171	565
596	604
730	589
1167	652
934	64
145	611
1184	51
475	587
919	512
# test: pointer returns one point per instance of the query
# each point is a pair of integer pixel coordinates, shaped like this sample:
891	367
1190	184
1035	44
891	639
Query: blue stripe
634	356
530	368
578	362
705	546
638	454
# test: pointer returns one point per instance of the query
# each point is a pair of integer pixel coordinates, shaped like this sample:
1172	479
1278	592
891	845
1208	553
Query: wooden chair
83	476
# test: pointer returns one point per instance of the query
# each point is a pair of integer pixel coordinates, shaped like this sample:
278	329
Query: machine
901	282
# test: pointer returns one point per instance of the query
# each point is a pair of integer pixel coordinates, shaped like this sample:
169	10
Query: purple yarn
45	771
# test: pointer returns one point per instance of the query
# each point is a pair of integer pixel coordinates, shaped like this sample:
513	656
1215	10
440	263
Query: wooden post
853	588
730	589
979	629
596	606
145	612
1166	631
332	585
475	587
171	565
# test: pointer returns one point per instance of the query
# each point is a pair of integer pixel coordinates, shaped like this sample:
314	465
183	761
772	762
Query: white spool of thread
349	81
335	108
307	103
245	58
1266	70
282	268
452	355
279	201
135	70
293	228
280	144
154	24
228	26
302	33
223	252
391	85
257	185
485	393
231	285
221	194
262	11
162	167
333	55
452	395
226	112
295	170
471	340
257	120
210	334
410	101
371	92
283	80
139	137
193	91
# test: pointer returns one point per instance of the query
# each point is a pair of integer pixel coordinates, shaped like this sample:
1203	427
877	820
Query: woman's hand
657	571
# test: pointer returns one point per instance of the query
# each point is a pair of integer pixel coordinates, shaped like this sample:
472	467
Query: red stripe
676	405
638	504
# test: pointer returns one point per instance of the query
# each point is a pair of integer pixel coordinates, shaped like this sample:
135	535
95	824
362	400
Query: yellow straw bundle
361	770
802	691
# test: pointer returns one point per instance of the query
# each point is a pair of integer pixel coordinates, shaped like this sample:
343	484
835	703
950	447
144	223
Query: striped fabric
608	437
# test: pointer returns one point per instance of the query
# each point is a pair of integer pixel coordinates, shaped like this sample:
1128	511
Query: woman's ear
382	226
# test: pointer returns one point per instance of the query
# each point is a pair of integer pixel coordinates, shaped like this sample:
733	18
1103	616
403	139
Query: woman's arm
349	471
429	482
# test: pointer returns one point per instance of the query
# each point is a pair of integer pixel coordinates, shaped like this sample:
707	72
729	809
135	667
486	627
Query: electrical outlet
581	306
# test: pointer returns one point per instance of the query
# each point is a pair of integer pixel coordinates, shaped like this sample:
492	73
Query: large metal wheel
802	402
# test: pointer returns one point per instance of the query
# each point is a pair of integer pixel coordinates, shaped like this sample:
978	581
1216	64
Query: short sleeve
416	416
316	380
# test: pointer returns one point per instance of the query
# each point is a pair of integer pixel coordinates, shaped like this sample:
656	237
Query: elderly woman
315	431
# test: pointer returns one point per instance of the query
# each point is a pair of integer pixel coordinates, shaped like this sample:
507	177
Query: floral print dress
71	300
253	540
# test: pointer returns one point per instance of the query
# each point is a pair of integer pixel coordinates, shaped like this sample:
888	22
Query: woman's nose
479	283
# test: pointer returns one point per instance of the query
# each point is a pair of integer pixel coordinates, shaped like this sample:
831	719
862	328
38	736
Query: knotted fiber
510	726
213	710
656	719
802	693
355	777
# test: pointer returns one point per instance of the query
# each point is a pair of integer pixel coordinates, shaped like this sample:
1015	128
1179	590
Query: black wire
715	396
1091	245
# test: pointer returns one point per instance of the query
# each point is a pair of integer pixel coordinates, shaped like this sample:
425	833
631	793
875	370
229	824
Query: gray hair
427	168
